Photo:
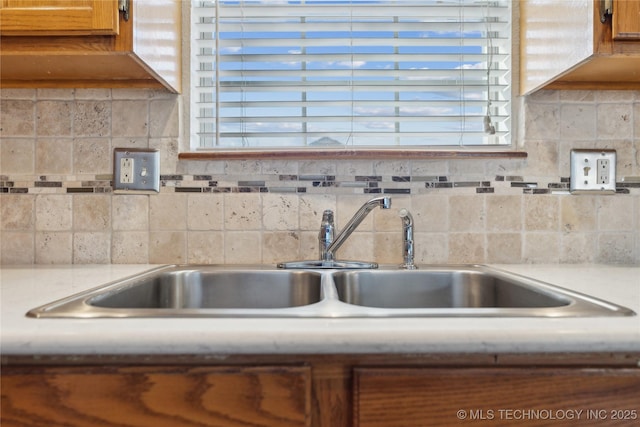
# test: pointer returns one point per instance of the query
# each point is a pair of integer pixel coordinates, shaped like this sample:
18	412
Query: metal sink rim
330	306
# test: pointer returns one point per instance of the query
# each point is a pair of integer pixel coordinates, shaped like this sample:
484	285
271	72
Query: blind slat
415	10
362	42
334	85
336	57
389	104
310	118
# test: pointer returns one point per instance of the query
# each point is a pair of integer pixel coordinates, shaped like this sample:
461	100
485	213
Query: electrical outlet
593	171
136	170
602	174
126	170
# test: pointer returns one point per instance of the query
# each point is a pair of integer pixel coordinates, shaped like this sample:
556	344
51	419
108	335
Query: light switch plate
593	171
136	170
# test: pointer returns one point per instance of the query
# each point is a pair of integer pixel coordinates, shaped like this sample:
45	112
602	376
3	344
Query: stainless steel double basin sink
262	291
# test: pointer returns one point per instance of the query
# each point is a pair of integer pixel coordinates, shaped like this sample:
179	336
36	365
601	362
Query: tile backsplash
57	204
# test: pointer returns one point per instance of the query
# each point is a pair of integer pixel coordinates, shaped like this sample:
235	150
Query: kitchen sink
441	289
262	291
207	288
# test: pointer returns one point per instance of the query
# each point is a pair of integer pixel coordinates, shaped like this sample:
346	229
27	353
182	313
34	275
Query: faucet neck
358	217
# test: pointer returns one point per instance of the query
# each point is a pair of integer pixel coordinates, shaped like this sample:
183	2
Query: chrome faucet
328	248
327	230
407	240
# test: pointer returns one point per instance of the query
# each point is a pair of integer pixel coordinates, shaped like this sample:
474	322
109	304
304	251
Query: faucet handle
327	232
407	240
327	217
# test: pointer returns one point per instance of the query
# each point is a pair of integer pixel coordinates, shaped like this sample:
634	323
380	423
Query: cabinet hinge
606	9
123	6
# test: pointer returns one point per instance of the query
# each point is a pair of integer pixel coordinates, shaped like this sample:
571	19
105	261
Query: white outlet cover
585	173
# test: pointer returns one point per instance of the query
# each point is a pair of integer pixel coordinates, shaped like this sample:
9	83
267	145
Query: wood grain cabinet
59	17
565	45
409	397
171	396
626	20
87	43
321	390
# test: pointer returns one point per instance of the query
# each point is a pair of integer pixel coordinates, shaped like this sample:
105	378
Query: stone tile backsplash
57	205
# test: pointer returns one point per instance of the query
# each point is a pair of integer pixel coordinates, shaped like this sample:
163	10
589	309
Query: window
361	73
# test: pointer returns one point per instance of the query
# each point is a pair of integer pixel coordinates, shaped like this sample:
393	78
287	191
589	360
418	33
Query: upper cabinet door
58	17
626	20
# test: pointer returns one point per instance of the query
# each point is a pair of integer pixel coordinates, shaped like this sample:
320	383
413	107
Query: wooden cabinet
58	17
170	396
321	390
626	20
145	52
564	45
498	397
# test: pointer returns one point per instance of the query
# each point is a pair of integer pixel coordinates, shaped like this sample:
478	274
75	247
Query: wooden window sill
349	154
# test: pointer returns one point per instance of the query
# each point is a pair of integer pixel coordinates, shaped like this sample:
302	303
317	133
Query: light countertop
25	287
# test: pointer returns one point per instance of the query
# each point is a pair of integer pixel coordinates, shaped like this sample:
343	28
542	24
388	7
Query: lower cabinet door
156	396
496	397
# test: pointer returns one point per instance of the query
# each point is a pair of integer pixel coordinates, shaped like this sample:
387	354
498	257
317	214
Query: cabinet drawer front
62	17
496	396
626	20
145	396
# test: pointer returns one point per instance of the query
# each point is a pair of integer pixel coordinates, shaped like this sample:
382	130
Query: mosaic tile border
291	183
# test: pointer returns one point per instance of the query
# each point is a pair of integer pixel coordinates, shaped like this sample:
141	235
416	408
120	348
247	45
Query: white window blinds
296	73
